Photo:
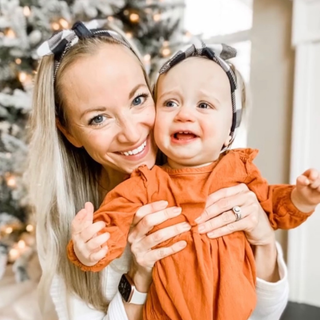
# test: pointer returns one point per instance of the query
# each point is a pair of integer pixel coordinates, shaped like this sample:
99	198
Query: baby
198	109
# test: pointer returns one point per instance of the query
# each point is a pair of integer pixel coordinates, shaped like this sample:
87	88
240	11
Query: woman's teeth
135	151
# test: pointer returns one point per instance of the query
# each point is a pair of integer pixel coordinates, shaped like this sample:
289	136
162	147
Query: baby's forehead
199	70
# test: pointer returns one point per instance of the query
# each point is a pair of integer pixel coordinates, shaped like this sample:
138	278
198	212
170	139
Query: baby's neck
175	165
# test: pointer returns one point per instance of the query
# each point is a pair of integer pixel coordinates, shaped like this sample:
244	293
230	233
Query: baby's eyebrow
209	95
166	93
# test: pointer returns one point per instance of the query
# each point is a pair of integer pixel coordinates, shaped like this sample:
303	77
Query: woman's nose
129	132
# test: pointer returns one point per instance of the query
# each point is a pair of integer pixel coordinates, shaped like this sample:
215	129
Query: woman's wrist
141	277
266	262
142	280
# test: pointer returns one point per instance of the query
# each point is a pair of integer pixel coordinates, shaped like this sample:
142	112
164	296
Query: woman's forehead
112	65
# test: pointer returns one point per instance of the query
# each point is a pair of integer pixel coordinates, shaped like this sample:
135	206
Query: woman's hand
218	218
89	246
144	257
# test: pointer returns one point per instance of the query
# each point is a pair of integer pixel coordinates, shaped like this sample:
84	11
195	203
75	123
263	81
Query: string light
134	17
110	18
29	228
129	35
10	33
8	230
157	17
26	11
64	23
165	52
18	61
13	254
147	58
11	181
21	244
55	26
126	12
22	76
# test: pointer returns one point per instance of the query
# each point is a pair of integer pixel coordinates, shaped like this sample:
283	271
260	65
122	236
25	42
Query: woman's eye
203	105
97	120
139	100
171	104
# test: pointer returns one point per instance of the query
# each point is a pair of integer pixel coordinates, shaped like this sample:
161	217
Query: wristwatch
129	292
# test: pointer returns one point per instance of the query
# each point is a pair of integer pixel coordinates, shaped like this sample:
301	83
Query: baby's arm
276	200
306	195
88	243
88	248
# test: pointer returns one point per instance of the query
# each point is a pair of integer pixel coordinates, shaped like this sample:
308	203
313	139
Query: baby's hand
89	247
308	189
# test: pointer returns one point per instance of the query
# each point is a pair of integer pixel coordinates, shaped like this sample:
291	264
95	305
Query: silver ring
237	212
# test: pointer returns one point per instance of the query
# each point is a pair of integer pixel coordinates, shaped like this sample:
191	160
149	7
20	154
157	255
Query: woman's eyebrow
92	110
133	91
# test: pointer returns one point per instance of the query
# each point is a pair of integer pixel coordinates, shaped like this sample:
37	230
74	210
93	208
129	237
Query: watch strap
138	297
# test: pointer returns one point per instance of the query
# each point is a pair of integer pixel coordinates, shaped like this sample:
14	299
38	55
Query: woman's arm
219	219
78	309
144	257
140	271
272	298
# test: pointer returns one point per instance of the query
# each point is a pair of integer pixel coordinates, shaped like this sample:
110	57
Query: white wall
272	71
303	246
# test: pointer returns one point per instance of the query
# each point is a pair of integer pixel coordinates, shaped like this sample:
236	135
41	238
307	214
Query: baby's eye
139	100
203	105
171	104
97	120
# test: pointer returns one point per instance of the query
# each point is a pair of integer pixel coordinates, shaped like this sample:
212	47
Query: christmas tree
154	26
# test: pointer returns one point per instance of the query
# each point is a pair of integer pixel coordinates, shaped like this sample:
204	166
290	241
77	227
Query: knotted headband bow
62	41
217	53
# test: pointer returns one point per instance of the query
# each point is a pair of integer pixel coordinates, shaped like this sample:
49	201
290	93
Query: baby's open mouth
184	135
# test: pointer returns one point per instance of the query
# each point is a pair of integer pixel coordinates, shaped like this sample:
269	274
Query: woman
91	125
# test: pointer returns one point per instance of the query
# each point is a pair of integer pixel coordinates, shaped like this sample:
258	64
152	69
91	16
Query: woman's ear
68	135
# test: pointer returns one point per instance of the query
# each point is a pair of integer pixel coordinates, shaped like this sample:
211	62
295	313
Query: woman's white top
271	297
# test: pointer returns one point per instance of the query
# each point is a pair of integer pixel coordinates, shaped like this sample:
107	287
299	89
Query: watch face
125	288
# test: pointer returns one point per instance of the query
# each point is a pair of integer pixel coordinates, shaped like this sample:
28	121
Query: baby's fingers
83	219
314	178
97	256
91	231
315	184
303	181
80	222
97	242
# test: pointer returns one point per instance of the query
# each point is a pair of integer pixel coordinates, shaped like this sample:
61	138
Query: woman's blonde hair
61	178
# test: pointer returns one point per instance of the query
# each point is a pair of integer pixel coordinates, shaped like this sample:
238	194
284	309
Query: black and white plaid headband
62	41
218	53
